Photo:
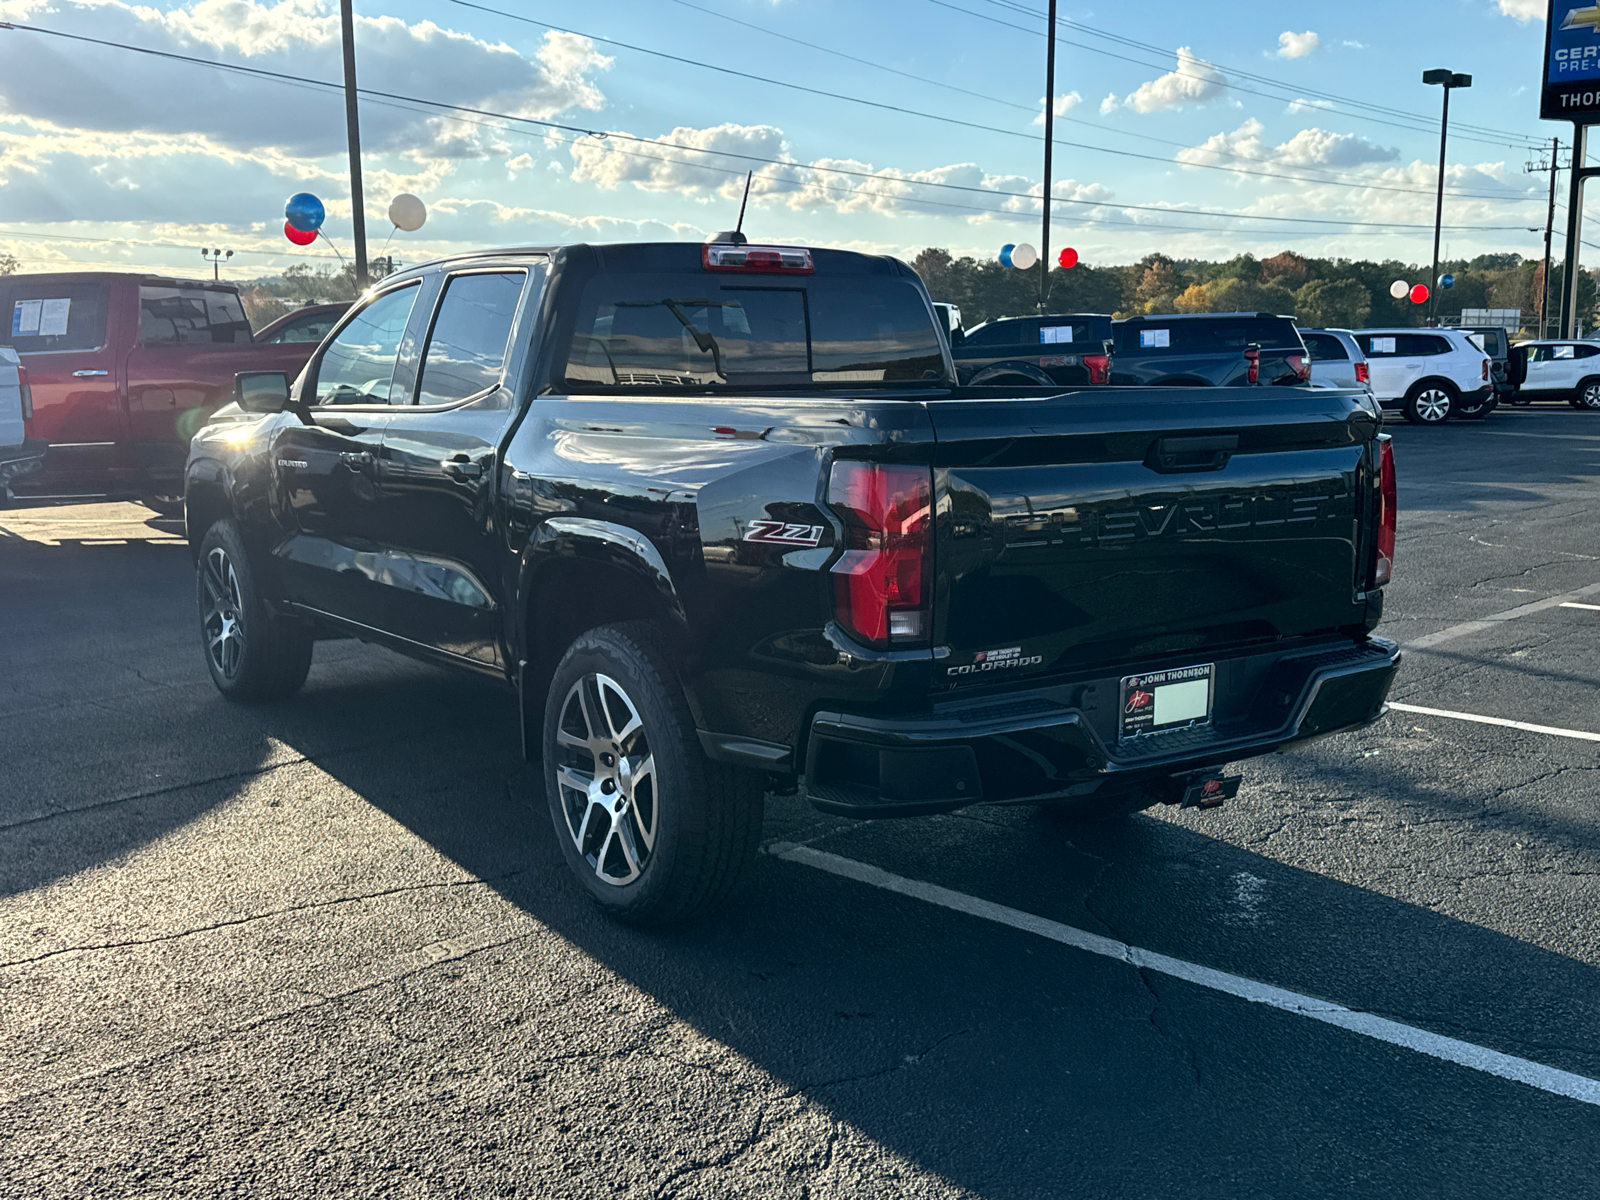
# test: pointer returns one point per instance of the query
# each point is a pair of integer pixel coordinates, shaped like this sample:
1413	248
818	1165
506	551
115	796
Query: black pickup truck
721	518
1059	350
1209	350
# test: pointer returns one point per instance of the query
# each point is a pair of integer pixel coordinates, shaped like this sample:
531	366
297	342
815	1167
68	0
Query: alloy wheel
1433	404
1591	396
607	779
224	617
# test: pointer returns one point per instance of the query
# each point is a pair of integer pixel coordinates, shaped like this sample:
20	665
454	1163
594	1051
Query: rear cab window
697	329
45	316
1199	335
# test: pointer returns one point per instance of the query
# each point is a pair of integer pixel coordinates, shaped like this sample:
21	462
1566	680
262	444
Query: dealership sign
1572	62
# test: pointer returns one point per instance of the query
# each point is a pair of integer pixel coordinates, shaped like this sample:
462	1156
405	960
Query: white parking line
1522	610
1590	607
1580	734
1465	1054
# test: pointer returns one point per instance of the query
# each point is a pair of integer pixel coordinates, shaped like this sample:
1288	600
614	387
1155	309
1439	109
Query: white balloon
407	212
1024	256
1399	289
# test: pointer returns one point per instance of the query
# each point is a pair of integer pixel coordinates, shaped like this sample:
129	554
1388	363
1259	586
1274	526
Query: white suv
1430	375
1553	368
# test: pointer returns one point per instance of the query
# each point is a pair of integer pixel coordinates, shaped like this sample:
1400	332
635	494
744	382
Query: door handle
462	467
88	374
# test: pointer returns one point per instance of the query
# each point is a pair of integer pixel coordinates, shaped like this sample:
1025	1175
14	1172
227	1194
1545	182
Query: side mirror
261	391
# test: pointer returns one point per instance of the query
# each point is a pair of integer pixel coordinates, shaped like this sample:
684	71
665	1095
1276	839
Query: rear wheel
167	504
253	653
1589	395
654	831
1429	403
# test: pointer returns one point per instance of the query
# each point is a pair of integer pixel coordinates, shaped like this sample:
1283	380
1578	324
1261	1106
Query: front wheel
253	653
654	831
1429	404
167	505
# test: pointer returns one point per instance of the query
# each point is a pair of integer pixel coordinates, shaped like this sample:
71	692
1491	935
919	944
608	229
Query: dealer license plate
1166	701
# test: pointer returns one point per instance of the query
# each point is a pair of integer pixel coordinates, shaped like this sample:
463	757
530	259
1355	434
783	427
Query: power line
738	155
1221	82
902	110
1330	176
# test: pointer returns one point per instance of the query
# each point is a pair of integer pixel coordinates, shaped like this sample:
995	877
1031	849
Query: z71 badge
782	533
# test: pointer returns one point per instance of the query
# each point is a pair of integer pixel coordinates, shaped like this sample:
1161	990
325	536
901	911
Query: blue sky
109	158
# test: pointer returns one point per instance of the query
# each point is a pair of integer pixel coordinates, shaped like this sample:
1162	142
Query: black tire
1588	395
253	653
167	506
682	830
1431	402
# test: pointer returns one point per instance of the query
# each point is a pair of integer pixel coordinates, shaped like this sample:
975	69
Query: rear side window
1423	344
691	330
48	316
1003	333
467	349
1199	335
170	316
1325	347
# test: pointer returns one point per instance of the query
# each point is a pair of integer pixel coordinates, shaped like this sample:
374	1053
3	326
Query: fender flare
564	539
1012	368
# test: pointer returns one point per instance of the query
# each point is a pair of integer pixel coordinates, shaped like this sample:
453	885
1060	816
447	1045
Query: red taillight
1099	367
1383	544
27	393
882	585
1301	366
767	260
1486	369
1252	370
1362	374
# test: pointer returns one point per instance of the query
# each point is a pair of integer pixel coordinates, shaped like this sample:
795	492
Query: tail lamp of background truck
883	583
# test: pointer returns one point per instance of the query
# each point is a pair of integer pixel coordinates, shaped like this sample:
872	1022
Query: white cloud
1110	104
1195	81
1064	105
1308	148
1297	45
1523	10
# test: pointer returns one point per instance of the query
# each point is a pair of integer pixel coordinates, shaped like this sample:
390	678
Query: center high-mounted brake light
1099	367
770	260
883	583
1362	373
1383	543
1252	370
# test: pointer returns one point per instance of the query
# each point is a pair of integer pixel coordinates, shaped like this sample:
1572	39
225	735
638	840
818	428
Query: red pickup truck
124	368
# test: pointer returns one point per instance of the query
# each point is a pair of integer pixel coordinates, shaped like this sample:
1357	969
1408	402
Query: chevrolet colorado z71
723	520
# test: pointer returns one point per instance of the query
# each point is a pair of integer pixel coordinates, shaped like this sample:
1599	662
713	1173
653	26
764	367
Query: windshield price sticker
1155	339
1382	345
40	318
1166	701
1053	334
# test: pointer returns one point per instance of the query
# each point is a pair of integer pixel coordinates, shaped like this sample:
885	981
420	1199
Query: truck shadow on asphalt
1008	1064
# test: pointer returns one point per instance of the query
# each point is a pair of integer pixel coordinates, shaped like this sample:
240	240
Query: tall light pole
1449	81
358	215
1049	142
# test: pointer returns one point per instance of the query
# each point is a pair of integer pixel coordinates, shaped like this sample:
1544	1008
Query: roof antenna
735	236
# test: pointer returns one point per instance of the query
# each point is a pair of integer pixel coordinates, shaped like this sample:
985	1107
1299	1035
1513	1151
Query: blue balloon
1447	281
1005	253
305	212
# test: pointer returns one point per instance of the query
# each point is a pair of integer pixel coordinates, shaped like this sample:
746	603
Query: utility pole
1449	80
1049	143
1549	229
358	215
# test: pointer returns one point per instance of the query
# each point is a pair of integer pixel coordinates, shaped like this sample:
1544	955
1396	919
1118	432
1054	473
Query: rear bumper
1048	743
18	462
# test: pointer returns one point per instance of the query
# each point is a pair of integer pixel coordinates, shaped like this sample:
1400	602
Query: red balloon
1419	294
1068	258
304	237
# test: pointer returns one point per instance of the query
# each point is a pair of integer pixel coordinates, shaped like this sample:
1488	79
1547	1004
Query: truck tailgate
1129	526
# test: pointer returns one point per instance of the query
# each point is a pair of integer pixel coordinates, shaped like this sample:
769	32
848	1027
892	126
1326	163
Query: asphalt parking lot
329	947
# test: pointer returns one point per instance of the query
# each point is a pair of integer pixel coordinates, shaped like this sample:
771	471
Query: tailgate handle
1172	454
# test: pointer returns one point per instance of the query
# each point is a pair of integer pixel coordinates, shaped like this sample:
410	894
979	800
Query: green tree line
1337	292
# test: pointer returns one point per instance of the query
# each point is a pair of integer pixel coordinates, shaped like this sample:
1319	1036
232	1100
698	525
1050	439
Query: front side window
53	316
308	329
467	350
171	316
358	365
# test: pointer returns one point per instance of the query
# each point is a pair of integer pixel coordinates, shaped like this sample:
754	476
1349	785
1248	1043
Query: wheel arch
1444	381
205	500
579	573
